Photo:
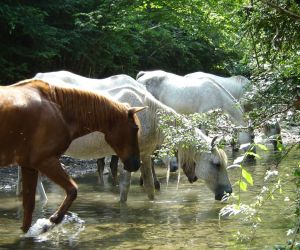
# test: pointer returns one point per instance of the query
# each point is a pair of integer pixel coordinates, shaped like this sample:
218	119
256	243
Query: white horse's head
209	166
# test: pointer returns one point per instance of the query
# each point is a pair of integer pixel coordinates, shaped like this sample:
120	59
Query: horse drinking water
38	123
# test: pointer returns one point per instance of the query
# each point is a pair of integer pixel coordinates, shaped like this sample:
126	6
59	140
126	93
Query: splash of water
41	226
69	229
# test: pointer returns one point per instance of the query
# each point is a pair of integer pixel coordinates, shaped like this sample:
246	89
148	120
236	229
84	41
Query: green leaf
243	186
297	172
279	146
262	147
247	176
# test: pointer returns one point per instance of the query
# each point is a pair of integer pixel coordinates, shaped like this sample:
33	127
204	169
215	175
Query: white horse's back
236	85
191	95
74	80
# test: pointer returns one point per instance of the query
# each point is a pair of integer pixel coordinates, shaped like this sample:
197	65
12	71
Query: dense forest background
257	39
102	38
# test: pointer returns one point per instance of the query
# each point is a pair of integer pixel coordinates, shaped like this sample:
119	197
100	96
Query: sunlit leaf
279	146
262	147
247	176
243	185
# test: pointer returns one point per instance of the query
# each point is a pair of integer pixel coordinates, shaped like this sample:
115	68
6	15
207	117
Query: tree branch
282	10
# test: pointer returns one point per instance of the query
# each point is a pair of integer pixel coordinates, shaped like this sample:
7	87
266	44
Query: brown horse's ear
136	109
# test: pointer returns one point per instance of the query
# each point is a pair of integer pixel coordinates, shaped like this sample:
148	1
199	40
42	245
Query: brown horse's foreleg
53	170
29	181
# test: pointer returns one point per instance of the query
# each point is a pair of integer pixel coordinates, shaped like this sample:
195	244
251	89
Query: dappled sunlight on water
177	219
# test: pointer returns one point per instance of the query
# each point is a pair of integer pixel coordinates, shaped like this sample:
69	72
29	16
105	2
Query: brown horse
38	123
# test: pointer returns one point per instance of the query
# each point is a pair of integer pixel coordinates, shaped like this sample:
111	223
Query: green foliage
250	211
100	39
178	132
272	31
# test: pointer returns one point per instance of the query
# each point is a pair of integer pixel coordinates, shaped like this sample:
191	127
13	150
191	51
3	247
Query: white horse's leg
179	168
125	178
147	176
167	163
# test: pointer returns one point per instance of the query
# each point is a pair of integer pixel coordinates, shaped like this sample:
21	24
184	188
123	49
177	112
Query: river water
183	218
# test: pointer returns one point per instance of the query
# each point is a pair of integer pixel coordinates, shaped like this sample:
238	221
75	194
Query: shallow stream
186	218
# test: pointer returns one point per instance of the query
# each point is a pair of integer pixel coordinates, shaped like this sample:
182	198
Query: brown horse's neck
85	111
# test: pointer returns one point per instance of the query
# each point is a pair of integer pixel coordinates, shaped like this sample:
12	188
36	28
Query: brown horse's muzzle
132	164
221	191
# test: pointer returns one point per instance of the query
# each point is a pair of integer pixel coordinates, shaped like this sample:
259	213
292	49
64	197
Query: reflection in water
177	219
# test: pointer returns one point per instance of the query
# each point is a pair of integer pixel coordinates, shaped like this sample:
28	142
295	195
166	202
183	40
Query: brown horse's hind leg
29	182
53	170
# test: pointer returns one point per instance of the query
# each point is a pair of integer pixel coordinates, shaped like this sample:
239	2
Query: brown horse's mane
93	110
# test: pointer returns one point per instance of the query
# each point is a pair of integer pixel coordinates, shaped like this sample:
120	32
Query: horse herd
63	113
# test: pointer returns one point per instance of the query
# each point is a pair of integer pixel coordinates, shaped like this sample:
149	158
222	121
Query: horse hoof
25	229
55	218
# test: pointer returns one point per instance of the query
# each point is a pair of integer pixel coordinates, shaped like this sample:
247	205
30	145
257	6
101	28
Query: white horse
191	95
238	86
211	165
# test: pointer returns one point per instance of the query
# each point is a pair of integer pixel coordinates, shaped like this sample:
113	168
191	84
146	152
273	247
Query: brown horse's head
124	140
